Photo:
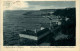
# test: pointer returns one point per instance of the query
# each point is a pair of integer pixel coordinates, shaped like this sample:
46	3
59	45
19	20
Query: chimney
35	30
42	28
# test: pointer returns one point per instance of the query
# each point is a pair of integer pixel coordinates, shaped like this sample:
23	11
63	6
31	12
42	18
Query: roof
45	25
42	31
28	32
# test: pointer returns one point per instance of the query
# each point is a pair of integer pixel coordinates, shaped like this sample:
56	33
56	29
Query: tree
71	23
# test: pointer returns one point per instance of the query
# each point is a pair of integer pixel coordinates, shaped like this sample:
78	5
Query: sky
37	5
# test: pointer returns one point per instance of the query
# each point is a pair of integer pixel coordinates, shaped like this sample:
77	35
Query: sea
14	21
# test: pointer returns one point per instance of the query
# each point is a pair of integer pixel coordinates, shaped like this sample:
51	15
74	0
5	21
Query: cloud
37	5
15	5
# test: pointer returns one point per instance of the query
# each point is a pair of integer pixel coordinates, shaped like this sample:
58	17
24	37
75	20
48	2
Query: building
37	38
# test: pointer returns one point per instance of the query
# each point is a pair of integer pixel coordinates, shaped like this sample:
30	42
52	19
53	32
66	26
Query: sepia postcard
40	25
